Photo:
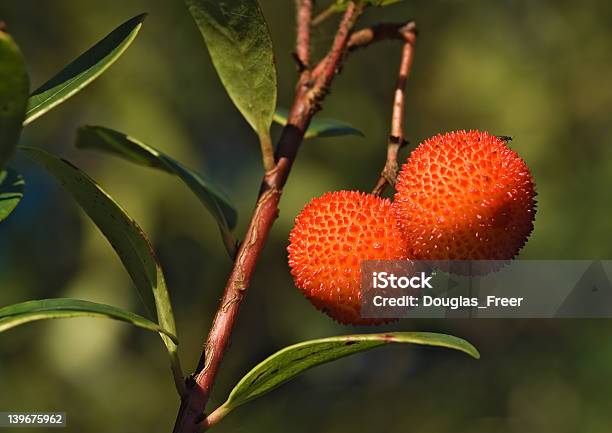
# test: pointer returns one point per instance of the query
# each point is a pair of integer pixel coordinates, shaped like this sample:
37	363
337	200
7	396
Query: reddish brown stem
380	32
304	23
311	89
396	138
330	65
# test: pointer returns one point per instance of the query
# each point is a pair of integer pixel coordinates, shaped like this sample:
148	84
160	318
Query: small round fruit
332	235
465	196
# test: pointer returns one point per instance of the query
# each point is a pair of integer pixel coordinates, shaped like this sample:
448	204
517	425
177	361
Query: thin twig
309	94
330	65
302	44
380	32
388	175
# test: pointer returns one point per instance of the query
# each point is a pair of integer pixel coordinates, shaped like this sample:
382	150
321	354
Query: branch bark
396	141
304	23
380	32
311	89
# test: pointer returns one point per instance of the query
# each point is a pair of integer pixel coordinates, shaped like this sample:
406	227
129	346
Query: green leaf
86	68
11	191
122	232
342	4
108	140
240	46
291	361
125	236
14	88
64	308
321	126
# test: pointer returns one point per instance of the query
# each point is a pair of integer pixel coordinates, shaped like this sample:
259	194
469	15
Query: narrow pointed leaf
321	126
64	308
11	191
14	88
126	147
82	71
291	361
125	236
123	233
240	47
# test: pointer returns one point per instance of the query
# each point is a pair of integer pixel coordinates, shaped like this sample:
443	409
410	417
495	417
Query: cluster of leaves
240	46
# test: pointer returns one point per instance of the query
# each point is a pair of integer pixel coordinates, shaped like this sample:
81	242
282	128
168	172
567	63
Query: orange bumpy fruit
332	235
465	196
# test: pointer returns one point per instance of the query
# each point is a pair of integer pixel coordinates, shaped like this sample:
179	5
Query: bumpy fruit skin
465	196
331	236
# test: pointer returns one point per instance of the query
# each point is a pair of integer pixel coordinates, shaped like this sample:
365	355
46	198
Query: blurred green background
536	70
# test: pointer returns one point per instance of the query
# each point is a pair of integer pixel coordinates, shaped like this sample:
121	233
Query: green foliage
11	191
107	140
125	236
321	126
65	308
240	47
14	88
82	71
291	361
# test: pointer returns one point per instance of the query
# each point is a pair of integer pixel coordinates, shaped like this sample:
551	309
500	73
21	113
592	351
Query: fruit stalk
311	89
396	137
